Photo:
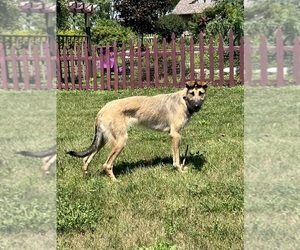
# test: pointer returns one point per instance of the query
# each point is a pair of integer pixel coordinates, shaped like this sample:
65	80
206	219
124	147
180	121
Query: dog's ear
203	85
190	84
196	84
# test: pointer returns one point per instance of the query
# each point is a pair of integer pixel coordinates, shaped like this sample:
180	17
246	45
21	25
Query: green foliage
169	24
266	17
107	31
141	16
223	17
70	32
9	15
62	15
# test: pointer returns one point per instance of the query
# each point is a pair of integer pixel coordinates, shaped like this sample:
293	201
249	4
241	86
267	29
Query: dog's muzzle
193	106
196	106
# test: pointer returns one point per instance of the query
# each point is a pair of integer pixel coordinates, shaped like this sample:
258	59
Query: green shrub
169	24
106	31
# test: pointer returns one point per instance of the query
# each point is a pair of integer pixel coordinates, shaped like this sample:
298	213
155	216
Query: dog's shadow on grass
197	161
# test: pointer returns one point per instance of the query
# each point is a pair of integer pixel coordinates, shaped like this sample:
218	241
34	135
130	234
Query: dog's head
195	94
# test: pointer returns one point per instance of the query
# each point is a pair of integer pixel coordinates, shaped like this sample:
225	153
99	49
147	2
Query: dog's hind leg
47	163
116	149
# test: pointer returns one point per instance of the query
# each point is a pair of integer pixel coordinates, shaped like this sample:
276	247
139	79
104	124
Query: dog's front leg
175	148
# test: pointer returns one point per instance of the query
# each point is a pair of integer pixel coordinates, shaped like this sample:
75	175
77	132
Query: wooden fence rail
159	65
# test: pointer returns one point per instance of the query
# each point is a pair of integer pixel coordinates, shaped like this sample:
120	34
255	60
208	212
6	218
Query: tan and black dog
48	157
164	112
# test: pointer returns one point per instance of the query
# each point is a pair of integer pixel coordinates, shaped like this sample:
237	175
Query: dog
165	112
48	157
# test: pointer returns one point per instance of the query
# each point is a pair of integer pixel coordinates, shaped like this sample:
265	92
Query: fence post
58	68
174	61
248	62
231	59
116	66
263	49
94	67
201	55
192	59
221	61
279	58
3	69
49	67
131	58
124	67
211	52
241	59
296	60
139	64
165	61
182	62
147	65
79	63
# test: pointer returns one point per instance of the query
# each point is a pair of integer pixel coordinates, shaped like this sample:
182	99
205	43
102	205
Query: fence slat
49	64
241	59
248	61
296	60
26	69
211	52
139	65
94	69
221	61
131	58
263	61
192	59
3	68
174	61
13	59
201	56
79	65
36	64
182	62
165	60
231	59
147	65
116	66
279	58
124	69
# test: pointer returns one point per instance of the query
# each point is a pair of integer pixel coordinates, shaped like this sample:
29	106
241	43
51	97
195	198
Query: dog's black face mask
195	95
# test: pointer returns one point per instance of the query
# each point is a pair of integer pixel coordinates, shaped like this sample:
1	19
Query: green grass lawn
152	206
27	200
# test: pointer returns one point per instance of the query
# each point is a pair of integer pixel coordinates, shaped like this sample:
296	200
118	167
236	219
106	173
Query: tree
265	17
63	15
106	31
216	21
140	16
169	24
9	15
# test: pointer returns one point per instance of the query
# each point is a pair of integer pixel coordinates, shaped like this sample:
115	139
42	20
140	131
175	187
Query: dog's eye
192	93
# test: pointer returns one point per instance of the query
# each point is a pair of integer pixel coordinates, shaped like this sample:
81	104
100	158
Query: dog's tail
40	154
94	146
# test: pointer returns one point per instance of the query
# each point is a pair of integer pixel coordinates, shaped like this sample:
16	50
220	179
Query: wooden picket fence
159	65
27	69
